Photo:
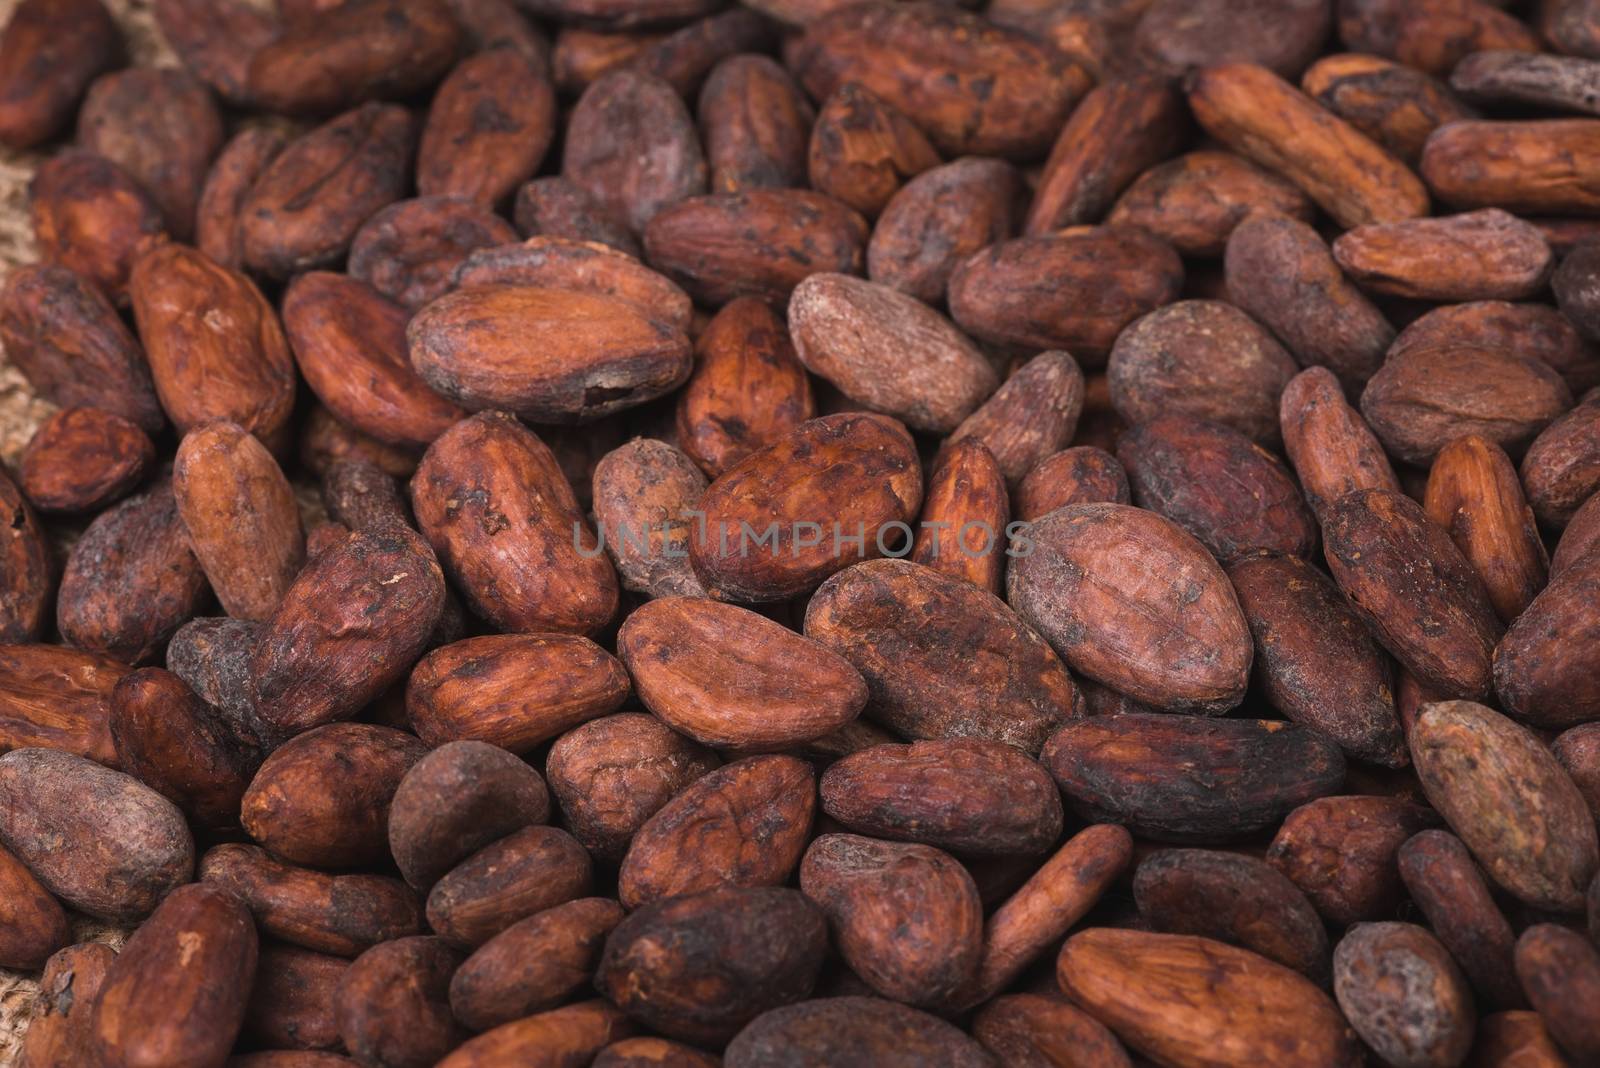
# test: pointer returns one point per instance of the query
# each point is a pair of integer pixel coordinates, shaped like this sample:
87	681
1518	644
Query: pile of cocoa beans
789	533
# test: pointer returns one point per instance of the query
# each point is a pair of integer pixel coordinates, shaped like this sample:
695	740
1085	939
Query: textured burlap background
20	414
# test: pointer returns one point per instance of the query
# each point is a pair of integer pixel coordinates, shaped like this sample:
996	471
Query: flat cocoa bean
90	216
342	915
966	795
760	243
489	127
534	965
1101	278
612	774
322	798
71	346
1236	899
1188	778
1341	852
393	1007
1509	800
1449	889
700	967
742	825
1317	662
216	348
748	389
930	62
49	52
130	845
195	958
1179	643
348	628
1404	995
1412	587
526	872
307	205
359	50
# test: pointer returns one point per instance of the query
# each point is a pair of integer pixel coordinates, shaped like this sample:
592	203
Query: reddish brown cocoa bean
1235	899
761	242
1409	583
534	965
70	344
526	872
215	345
49	52
612	774
1332	449
559	207
1218	485
742	825
172	741
1449	889
241	517
873	481
1473	492
312	198
961	531
350	345
863	149
218	216
907	918
1509	800
1195	201
1317	662
1079	475
730	678
1178	643
348	628
976	88
1205	359
631	145
359	50
91	217
162	128
291	1002
1120	128
1396	105
131	580
459	798
1054	898
33	925
1145	771
1280	271
963	794
322	798
1101	278
392	1004
409	251
343	915
939	218
1560	970
754	121
701	966
195	957
941	658
488	129
748	389
852	1032
888	351
1341	852
82	459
